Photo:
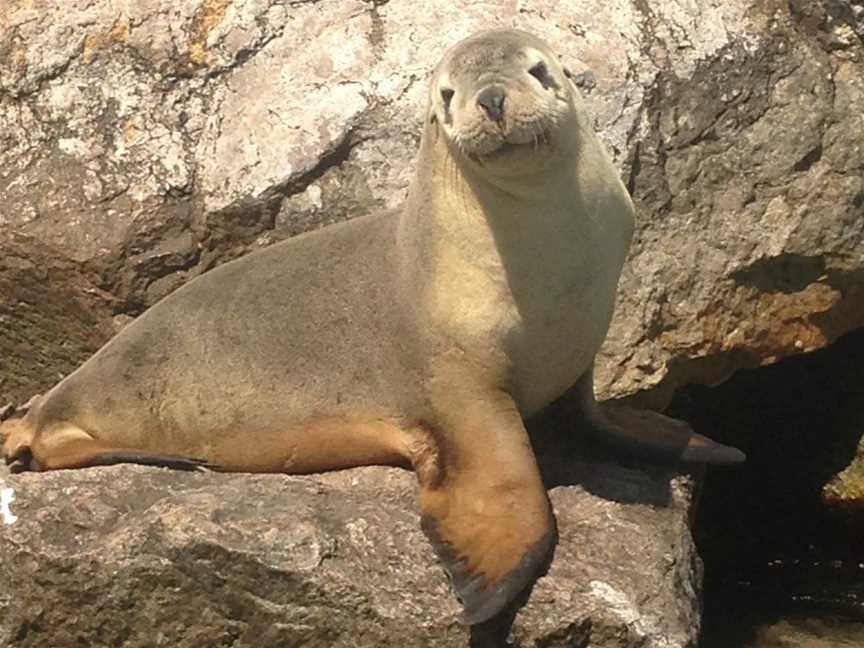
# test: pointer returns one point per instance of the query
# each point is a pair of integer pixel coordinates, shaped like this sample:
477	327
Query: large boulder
132	556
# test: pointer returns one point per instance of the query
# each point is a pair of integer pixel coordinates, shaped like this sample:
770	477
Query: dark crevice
773	549
787	273
635	168
811	158
334	158
377	32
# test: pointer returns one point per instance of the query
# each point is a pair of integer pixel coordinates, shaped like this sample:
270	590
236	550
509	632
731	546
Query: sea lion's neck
461	207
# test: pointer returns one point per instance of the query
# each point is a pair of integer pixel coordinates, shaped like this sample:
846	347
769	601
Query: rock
52	313
751	185
134	556
845	490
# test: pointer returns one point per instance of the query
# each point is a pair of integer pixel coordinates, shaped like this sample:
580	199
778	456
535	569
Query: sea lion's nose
491	100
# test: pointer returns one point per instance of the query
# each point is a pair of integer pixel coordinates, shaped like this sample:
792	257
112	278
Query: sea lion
421	336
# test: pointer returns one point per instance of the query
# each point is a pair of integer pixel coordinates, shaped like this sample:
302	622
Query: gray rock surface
52	313
143	143
132	556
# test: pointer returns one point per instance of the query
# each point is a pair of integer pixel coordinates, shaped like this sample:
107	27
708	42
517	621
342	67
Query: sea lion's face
501	99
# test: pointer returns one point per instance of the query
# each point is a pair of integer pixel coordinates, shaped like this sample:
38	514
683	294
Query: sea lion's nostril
491	100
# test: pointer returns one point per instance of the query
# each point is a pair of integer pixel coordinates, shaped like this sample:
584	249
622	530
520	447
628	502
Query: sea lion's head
502	100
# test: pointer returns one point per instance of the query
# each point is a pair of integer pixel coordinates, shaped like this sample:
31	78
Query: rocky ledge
132	556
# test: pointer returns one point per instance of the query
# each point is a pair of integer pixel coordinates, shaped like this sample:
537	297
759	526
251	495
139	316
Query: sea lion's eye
541	73
447	97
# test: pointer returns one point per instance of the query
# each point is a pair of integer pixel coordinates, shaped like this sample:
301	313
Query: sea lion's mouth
507	147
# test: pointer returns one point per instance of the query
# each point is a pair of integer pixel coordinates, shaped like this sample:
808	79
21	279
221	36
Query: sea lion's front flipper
485	509
643	433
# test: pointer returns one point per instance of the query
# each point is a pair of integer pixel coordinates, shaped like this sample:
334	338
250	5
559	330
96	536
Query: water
794	632
784	606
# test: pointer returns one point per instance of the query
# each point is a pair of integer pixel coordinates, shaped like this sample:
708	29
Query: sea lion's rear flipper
67	446
175	462
16	436
651	435
485	510
640	433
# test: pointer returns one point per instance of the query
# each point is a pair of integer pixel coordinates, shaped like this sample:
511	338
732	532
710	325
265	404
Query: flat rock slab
133	556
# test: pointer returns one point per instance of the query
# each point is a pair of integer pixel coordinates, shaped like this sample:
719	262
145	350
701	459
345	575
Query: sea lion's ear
570	76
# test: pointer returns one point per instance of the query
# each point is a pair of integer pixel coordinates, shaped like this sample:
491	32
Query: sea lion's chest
563	298
537	301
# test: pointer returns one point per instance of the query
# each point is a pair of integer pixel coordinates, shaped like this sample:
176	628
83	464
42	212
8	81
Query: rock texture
130	556
751	180
846	489
143	143
52	313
